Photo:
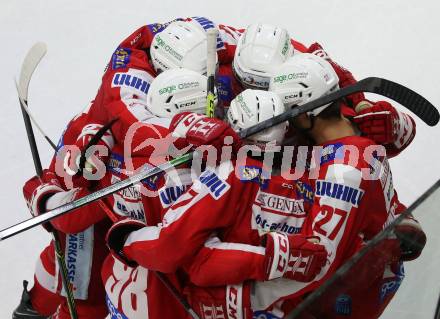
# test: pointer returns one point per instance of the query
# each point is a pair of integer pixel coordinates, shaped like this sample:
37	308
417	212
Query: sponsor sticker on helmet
291	76
167	48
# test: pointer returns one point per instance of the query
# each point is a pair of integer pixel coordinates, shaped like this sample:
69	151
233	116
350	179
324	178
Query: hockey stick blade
373	85
341	271
30	63
397	92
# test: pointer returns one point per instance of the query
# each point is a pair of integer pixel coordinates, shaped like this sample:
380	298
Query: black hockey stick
437	310
211	36
397	92
425	110
356	257
30	62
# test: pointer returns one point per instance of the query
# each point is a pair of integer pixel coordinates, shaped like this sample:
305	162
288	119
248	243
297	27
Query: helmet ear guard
260	48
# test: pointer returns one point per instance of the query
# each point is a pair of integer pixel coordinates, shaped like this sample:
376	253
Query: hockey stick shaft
372	85
29	65
111	215
211	35
356	257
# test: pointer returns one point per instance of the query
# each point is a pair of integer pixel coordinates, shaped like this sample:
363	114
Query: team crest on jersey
120	58
332	152
351	195
216	186
254	174
304	191
115	163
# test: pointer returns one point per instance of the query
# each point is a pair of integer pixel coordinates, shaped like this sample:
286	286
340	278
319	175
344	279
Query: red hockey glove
37	191
346	78
412	238
86	161
231	301
294	257
117	235
201	130
382	123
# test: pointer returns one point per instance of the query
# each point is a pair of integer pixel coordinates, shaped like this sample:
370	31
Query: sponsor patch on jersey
78	255
332	152
254	174
208	24
341	192
224	88
169	195
343	305
131	81
120	58
113	311
261	314
294	207
127	209
269	222
393	283
216	186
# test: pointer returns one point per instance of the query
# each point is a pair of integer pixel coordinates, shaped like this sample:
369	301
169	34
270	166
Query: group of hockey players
252	226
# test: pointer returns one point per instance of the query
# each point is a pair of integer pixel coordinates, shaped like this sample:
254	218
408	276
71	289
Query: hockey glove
382	123
294	257
412	238
218	302
37	191
86	160
200	130
117	235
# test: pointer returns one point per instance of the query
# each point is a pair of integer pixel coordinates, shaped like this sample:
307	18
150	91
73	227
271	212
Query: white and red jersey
136	292
86	251
354	199
341	206
82	236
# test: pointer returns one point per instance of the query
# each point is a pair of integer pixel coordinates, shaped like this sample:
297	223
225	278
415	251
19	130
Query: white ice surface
394	39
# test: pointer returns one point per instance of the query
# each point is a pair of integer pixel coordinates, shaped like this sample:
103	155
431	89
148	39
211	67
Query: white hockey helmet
304	78
251	107
182	44
177	90
260	49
